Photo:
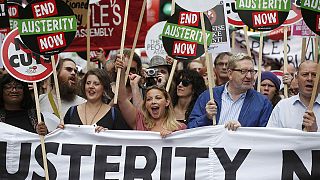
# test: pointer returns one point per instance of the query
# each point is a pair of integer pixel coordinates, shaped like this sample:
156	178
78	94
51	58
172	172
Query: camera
152	73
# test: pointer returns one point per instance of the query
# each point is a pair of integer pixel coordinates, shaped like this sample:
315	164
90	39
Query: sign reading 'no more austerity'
263	15
182	35
46	29
310	10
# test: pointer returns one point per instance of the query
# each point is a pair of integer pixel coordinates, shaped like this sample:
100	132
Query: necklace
85	114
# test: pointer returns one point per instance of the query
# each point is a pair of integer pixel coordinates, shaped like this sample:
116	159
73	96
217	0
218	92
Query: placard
182	35
197	5
263	15
47	27
310	10
153	43
21	62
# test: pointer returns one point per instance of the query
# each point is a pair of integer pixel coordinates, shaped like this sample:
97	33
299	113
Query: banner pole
123	38
135	40
245	29
285	59
209	69
56	85
233	40
43	148
260	62
175	62
303	50
88	38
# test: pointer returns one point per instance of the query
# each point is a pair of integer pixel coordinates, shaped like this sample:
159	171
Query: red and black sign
4	17
182	35
312	19
47	27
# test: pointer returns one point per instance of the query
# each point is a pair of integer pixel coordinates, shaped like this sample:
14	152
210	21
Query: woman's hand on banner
232	125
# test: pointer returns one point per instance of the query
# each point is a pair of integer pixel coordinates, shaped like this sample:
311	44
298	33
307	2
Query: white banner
207	153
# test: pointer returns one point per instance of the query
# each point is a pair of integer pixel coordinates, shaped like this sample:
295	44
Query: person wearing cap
293	112
163	69
270	85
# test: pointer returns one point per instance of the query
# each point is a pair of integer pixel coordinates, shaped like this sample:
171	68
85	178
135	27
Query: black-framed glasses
184	82
245	71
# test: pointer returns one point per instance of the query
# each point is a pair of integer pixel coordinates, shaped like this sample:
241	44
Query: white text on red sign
267	18
189	19
183	48
51	41
44	9
13	11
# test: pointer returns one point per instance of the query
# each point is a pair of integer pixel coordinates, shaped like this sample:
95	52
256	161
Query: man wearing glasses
235	104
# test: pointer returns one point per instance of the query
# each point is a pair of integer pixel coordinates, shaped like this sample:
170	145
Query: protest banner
153	43
44	28
106	27
4	25
220	29
13	11
207	153
301	29
80	9
310	10
197	5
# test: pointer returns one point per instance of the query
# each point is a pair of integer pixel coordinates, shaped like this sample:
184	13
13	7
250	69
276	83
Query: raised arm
128	110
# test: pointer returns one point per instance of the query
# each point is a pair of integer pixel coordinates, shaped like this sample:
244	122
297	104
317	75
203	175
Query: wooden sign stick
245	30
209	68
88	38
285	58
135	40
303	49
233	40
175	62
260	62
123	38
56	85
43	148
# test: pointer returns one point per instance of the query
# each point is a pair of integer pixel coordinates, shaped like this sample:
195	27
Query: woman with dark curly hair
190	84
17	107
96	88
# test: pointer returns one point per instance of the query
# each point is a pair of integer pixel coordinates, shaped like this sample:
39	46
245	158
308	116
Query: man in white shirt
68	81
293	112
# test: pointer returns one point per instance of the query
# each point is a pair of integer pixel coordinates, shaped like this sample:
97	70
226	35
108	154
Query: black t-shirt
107	121
20	119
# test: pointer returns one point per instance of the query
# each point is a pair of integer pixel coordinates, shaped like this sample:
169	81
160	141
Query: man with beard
68	81
293	112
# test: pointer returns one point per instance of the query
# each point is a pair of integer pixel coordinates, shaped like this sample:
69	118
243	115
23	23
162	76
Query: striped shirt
230	109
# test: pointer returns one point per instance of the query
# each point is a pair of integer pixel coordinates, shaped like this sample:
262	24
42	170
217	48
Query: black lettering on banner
50	148
75	151
291	164
166	158
101	165
231	167
24	162
191	154
130	172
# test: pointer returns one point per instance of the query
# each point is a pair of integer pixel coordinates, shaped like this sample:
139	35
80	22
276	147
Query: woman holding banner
17	107
156	113
96	88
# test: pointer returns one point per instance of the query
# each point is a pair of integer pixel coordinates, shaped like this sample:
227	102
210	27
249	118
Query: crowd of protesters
144	104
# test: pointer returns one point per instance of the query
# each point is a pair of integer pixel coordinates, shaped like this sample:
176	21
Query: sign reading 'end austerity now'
310	10
182	35
263	15
46	29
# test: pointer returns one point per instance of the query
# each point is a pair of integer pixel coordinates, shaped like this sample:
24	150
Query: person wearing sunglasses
17	107
190	85
236	103
156	113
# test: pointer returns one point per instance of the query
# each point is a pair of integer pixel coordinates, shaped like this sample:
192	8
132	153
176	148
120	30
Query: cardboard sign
4	18
310	10
182	35
21	62
45	28
80	9
197	5
153	43
263	15
220	29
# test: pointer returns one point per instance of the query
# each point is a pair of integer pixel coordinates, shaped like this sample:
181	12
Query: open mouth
155	110
308	86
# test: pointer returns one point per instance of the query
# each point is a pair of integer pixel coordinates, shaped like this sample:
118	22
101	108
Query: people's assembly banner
106	26
207	153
